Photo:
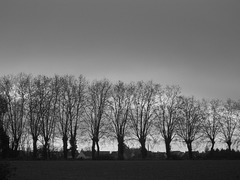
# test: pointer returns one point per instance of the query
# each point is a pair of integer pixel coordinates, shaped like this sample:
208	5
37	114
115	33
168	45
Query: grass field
64	170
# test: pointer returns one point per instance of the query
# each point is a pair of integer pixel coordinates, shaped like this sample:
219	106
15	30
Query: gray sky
192	43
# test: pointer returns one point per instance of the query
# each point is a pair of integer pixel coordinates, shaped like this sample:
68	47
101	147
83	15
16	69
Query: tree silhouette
190	123
118	114
142	112
229	122
167	114
4	139
95	111
211	125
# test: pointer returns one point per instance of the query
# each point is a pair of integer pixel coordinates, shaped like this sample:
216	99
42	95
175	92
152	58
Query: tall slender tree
49	89
15	90
63	114
211	125
76	110
4	139
189	126
142	112
33	114
118	113
95	111
229	122
167	114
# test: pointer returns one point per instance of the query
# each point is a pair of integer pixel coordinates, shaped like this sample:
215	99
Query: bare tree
118	113
42	109
189	126
49	89
76	110
44	100
33	113
15	90
229	122
63	114
7	88
211	125
97	99
167	114
22	81
4	139
142	112
70	110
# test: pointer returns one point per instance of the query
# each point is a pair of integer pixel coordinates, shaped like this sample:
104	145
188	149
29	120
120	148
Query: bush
223	154
105	157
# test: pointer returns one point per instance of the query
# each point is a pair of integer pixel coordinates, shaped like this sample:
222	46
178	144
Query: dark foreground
70	170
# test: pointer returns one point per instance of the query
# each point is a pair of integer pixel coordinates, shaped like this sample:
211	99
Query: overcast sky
192	43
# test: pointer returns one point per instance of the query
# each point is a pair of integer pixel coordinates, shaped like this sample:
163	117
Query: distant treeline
38	110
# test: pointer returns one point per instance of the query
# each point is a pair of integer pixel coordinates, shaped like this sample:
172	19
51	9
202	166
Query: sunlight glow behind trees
43	110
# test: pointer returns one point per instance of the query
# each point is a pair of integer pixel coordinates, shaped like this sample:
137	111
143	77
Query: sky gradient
191	43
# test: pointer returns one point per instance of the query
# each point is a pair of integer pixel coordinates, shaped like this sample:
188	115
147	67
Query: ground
73	170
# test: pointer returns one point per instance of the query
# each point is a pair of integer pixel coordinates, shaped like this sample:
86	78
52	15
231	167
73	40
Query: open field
64	170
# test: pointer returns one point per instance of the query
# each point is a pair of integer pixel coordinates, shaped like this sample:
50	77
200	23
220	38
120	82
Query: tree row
43	108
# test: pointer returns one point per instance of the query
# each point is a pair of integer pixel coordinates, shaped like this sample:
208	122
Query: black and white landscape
112	80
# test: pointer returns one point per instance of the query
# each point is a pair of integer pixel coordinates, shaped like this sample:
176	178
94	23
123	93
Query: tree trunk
35	139
4	139
93	149
120	148
98	150
213	143
73	146
16	144
45	151
65	144
46	148
229	143
168	148
189	146
143	148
